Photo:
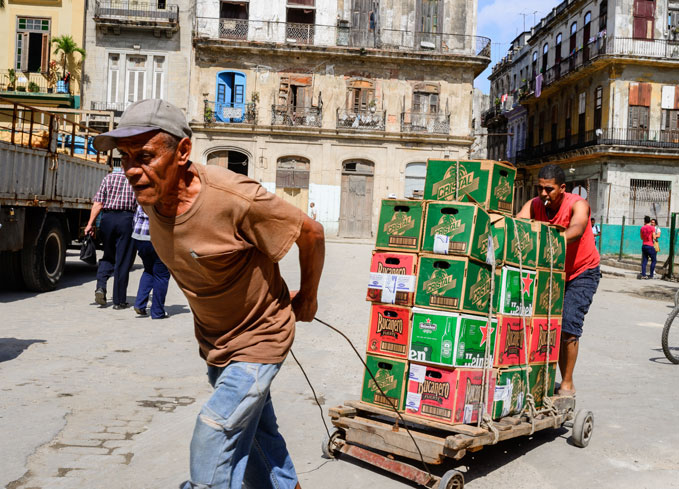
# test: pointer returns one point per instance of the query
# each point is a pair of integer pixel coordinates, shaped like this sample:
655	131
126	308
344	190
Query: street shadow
10	348
176	309
475	465
656	292
663	360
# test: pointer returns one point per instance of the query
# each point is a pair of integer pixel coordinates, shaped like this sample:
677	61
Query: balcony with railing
129	13
599	47
229	113
116	107
659	140
341	35
366	120
291	115
34	85
417	122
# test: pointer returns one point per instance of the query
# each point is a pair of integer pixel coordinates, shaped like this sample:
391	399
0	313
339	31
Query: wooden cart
362	430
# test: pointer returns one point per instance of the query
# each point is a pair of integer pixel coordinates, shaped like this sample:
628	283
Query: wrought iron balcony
342	35
631	137
229	113
367	120
130	13
117	107
427	123
26	83
290	115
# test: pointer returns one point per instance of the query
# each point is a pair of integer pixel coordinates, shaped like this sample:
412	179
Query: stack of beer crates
431	323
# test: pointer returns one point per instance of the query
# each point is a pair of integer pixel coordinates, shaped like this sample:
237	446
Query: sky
502	21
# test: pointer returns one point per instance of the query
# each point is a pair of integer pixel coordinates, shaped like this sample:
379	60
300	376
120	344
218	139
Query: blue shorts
577	299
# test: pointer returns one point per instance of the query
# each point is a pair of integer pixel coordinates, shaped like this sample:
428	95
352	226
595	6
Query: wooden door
428	26
361	33
219	158
356	200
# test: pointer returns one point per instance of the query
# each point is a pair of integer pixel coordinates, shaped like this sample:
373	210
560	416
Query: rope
360	357
549	316
487	361
488	423
457	180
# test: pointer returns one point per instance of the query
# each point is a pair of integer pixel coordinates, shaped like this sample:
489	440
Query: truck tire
10	270
42	264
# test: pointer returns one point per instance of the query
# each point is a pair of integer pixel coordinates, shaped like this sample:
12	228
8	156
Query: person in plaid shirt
156	276
117	203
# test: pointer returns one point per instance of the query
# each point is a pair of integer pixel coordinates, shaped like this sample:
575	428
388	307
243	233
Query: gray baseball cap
151	114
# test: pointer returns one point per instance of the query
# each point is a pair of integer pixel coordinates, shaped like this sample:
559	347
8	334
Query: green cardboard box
449	339
391	375
510	285
490	183
541	298
505	231
456	228
536	382
510	392
453	284
400	225
554	237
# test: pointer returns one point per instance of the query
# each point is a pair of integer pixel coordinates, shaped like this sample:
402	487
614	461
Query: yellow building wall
67	18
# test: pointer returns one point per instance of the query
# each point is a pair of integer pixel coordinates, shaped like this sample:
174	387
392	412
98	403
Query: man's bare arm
311	244
525	212
579	221
96	209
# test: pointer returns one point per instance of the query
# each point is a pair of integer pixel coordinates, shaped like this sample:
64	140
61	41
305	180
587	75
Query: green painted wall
610	235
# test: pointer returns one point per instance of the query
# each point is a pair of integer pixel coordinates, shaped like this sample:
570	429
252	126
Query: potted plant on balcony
33	87
11	74
67	46
208	113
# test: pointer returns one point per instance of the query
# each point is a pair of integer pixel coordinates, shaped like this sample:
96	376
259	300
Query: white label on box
417	373
376	280
405	283
468	412
389	289
413	400
441	244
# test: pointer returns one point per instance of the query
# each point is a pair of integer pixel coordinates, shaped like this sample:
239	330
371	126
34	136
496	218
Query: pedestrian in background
647	248
115	200
596	231
312	211
155	276
656	235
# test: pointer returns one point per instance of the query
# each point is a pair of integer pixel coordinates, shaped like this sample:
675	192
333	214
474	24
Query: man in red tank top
572	212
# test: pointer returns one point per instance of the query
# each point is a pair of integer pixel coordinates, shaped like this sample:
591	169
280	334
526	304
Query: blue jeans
646	253
236	442
156	276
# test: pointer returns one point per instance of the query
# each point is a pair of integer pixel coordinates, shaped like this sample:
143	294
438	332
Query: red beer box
392	278
469	394
510	342
540	345
431	392
389	331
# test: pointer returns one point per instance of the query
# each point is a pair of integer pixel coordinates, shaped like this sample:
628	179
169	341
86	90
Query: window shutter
676	97
640	25
44	60
668	97
645	94
633	94
24	51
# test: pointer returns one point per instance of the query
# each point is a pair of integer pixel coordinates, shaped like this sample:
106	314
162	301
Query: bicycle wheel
670	339
676	299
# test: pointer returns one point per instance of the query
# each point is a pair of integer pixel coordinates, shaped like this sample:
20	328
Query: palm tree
67	47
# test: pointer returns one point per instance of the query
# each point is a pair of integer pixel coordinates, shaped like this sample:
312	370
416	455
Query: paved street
99	399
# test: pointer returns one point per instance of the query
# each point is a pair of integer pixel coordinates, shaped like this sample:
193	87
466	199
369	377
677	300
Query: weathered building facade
602	101
336	102
137	51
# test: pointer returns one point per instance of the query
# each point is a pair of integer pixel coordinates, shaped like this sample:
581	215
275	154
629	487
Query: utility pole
524	21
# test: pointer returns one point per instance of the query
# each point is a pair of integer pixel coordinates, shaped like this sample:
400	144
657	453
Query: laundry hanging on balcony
538	85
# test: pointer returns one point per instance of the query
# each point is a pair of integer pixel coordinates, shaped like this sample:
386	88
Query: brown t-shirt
223	254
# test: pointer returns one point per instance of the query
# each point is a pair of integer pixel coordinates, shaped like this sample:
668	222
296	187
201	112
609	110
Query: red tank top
581	255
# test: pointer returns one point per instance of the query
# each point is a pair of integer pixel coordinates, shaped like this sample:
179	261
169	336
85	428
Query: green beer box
453	284
536	382
456	228
490	183
541	297
508	249
391	375
510	284
510	392
400	225
551	237
450	339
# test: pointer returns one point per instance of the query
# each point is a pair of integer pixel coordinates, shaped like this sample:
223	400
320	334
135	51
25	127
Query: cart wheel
583	424
328	445
453	479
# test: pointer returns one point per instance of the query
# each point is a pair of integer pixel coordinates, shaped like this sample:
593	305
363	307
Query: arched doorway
233	160
292	180
415	175
356	203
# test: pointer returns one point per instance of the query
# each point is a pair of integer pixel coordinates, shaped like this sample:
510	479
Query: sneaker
141	312
122	305
100	297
